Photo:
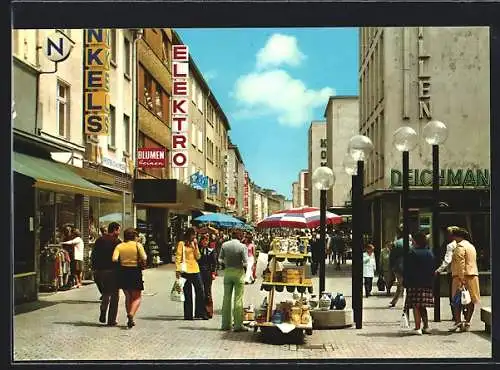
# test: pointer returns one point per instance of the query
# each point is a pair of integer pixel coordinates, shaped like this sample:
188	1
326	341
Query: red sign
245	194
151	158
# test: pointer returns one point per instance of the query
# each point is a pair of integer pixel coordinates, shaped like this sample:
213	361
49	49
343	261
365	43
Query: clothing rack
54	267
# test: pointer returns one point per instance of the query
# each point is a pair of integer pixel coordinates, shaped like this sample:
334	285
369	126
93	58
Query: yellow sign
96	82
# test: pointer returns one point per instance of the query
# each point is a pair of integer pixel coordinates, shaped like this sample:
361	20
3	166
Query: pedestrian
208	267
445	264
132	257
419	281
369	266
385	267
77	262
465	275
396	259
105	273
234	256
188	254
315	253
249	277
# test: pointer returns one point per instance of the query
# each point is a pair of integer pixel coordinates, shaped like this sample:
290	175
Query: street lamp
359	149
435	133
323	179
405	140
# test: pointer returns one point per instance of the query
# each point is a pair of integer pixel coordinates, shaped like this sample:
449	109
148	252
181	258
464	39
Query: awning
57	177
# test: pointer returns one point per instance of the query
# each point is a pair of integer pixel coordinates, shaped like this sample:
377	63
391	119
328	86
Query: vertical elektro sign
180	106
96	53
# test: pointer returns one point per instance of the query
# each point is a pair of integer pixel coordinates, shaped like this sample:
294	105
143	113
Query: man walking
105	273
234	256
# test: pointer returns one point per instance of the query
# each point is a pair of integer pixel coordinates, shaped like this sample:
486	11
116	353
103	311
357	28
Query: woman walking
77	261
249	276
187	255
385	267
465	275
369	266
132	257
208	266
418	281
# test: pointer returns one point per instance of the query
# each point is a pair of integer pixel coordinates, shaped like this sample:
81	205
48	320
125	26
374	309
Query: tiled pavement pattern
64	326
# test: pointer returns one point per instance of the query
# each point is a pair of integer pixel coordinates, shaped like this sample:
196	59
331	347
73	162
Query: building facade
317	147
342	122
296	194
304	188
234	180
409	76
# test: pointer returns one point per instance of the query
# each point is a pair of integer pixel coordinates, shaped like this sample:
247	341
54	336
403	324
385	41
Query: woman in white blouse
77	262
369	266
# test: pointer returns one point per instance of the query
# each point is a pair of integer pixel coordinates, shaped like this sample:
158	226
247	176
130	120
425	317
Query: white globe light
405	139
360	147
323	178
350	165
435	132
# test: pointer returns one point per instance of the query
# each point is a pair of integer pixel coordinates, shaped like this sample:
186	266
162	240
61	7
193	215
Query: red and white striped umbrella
298	218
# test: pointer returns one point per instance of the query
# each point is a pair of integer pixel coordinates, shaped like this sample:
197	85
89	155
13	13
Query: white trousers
248	276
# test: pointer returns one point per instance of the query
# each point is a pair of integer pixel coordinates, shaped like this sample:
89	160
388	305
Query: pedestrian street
64	326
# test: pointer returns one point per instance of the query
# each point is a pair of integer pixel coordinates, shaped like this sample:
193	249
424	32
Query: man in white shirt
450	247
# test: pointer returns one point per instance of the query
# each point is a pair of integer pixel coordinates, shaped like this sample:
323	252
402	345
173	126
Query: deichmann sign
96	55
151	157
180	106
460	177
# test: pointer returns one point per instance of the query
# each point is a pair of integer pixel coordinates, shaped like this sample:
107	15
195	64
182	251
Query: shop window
110	211
62	109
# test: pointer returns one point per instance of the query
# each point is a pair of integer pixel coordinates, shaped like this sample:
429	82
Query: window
113	47
200	141
126	57
158	100
193	133
62	109
192	85
126	133
165	49
112	128
199	99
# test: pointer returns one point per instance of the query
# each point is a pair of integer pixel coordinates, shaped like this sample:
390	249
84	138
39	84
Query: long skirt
249	274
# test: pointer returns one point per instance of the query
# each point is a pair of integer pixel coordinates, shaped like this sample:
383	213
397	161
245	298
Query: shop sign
96	62
57	47
323	152
448	177
198	181
151	157
245	194
424	78
114	165
180	106
213	190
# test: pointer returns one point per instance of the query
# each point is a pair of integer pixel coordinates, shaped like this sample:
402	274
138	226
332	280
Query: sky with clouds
272	83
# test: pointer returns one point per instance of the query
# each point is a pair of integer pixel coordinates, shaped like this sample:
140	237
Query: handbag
465	298
381	283
184	264
176	293
140	262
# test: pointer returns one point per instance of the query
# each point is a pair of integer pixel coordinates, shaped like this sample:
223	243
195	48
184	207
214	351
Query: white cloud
275	92
279	49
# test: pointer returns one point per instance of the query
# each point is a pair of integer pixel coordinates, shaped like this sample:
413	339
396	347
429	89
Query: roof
199	77
339	97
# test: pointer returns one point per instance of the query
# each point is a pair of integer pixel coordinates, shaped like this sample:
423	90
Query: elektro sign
180	106
96	55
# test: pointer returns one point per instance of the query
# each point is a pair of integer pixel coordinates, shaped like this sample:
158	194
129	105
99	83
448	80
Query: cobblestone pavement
64	326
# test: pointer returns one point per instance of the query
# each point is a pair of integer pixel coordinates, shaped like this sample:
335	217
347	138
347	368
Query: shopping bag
177	294
381	284
457	298
465	298
403	323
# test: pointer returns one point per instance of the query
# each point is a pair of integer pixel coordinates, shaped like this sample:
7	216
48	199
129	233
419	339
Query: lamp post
405	140
323	179
435	133
359	149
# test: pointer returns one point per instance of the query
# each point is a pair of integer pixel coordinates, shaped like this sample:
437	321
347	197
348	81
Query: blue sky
271	83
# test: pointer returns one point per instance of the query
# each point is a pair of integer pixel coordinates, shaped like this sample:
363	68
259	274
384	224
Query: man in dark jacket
105	271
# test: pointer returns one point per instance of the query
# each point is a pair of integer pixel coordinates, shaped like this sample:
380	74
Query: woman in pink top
249	277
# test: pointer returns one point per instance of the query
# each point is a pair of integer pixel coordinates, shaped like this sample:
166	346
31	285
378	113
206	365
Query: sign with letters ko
180	106
96	56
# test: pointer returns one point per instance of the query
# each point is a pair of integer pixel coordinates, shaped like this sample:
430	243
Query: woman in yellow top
130	253
187	255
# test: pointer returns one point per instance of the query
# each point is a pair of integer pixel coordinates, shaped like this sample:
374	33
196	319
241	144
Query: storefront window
57	210
110	211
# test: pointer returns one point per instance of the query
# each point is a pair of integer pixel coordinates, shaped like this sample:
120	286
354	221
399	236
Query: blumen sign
151	158
180	106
